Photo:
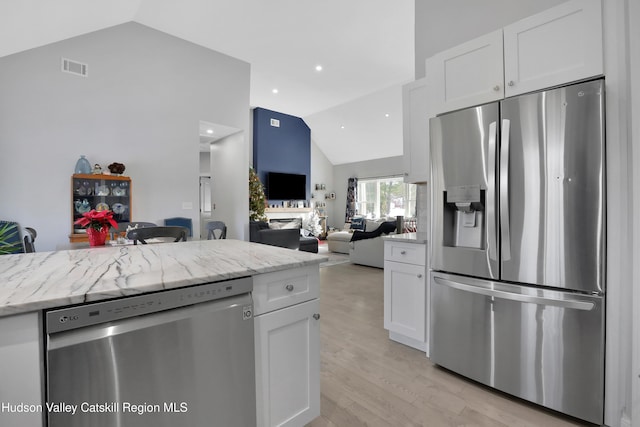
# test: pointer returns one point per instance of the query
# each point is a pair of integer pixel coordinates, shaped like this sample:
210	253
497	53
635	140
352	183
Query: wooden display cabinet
99	192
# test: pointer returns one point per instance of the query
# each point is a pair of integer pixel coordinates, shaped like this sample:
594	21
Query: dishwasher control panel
65	319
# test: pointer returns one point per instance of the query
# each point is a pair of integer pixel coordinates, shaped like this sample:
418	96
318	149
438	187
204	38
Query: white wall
205	163
444	24
230	184
321	173
140	105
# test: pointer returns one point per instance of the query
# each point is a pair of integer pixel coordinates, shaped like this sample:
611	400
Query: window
386	197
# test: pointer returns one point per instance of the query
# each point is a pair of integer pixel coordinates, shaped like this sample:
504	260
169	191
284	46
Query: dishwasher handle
563	303
239	303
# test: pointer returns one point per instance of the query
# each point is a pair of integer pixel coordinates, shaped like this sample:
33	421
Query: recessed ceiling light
209	131
342	127
386	115
318	67
274	90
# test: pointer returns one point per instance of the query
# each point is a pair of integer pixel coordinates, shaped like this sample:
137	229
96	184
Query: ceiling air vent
74	67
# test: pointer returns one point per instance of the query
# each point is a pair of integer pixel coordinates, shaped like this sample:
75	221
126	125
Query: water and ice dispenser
463	213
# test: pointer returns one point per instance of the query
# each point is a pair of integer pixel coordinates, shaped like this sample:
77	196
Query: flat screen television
286	186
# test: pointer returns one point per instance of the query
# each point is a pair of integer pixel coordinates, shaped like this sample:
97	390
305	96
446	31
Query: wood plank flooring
369	380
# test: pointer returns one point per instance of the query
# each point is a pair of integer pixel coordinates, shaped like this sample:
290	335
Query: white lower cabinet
21	370
405	294
287	346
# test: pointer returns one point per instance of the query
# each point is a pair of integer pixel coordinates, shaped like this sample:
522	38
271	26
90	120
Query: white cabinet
405	293
468	74
287	345
557	46
21	369
416	111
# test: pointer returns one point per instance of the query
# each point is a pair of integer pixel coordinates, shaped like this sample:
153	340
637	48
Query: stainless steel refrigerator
518	246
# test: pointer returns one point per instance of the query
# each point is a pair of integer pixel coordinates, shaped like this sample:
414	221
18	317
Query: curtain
352	193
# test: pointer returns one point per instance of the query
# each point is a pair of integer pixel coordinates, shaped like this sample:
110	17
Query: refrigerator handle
491	191
563	303
504	190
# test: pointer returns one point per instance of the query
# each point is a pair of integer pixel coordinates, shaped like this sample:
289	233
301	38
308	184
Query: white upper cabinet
415	130
557	46
468	74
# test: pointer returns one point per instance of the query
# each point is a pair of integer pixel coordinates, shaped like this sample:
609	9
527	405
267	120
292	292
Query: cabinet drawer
273	291
410	253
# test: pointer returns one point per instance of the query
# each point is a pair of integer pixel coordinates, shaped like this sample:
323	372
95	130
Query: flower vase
83	165
97	237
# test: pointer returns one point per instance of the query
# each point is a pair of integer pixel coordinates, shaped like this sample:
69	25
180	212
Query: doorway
214	162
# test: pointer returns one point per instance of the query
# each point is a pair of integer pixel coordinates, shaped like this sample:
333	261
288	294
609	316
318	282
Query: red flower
97	220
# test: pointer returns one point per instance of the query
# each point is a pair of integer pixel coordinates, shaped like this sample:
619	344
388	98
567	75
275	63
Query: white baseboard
420	345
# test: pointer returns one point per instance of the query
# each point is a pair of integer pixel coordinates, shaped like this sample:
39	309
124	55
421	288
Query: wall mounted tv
286	186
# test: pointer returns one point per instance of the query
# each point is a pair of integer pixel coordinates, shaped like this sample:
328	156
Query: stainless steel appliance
178	357
518	246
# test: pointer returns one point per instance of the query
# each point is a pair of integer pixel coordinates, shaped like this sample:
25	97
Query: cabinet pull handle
403	252
512	83
419	275
289	288
316	316
496	88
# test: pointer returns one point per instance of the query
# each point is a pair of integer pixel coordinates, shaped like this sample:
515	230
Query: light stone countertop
420	238
30	282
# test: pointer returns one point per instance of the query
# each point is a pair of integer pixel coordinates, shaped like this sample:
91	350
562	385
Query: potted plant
9	238
97	224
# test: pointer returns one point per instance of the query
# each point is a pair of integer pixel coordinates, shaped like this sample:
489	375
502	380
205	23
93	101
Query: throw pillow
357	223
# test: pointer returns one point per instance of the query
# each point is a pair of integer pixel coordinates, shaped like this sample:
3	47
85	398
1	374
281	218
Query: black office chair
216	230
180	222
141	234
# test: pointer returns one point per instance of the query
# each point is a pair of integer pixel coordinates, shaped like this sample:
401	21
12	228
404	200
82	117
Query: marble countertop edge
57	279
418	238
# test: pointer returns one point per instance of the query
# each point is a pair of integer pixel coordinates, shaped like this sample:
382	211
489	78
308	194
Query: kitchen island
31	283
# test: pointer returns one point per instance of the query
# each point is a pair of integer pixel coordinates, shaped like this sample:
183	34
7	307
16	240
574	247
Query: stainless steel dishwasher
182	357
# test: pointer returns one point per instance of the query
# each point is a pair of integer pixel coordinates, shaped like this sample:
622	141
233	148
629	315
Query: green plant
9	238
257	200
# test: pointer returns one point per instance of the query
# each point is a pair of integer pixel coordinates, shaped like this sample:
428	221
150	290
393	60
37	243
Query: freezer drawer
543	346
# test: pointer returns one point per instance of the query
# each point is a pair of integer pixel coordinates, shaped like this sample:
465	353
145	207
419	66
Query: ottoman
339	242
309	244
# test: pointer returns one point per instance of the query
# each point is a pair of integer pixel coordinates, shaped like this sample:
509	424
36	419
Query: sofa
260	232
365	247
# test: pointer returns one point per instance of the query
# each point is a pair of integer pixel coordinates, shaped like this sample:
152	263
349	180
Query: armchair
260	232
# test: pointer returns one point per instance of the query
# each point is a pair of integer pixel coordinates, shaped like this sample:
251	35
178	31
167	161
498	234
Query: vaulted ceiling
365	49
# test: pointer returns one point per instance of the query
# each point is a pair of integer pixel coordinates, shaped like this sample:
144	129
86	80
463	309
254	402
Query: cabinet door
405	300
469	74
557	46
288	366
415	130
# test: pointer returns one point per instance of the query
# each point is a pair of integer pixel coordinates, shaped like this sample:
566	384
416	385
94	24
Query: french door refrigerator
518	246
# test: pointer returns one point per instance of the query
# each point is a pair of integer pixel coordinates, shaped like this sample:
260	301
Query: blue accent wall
284	149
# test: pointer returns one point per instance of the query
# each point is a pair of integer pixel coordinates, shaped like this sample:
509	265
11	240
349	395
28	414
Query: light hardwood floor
369	380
